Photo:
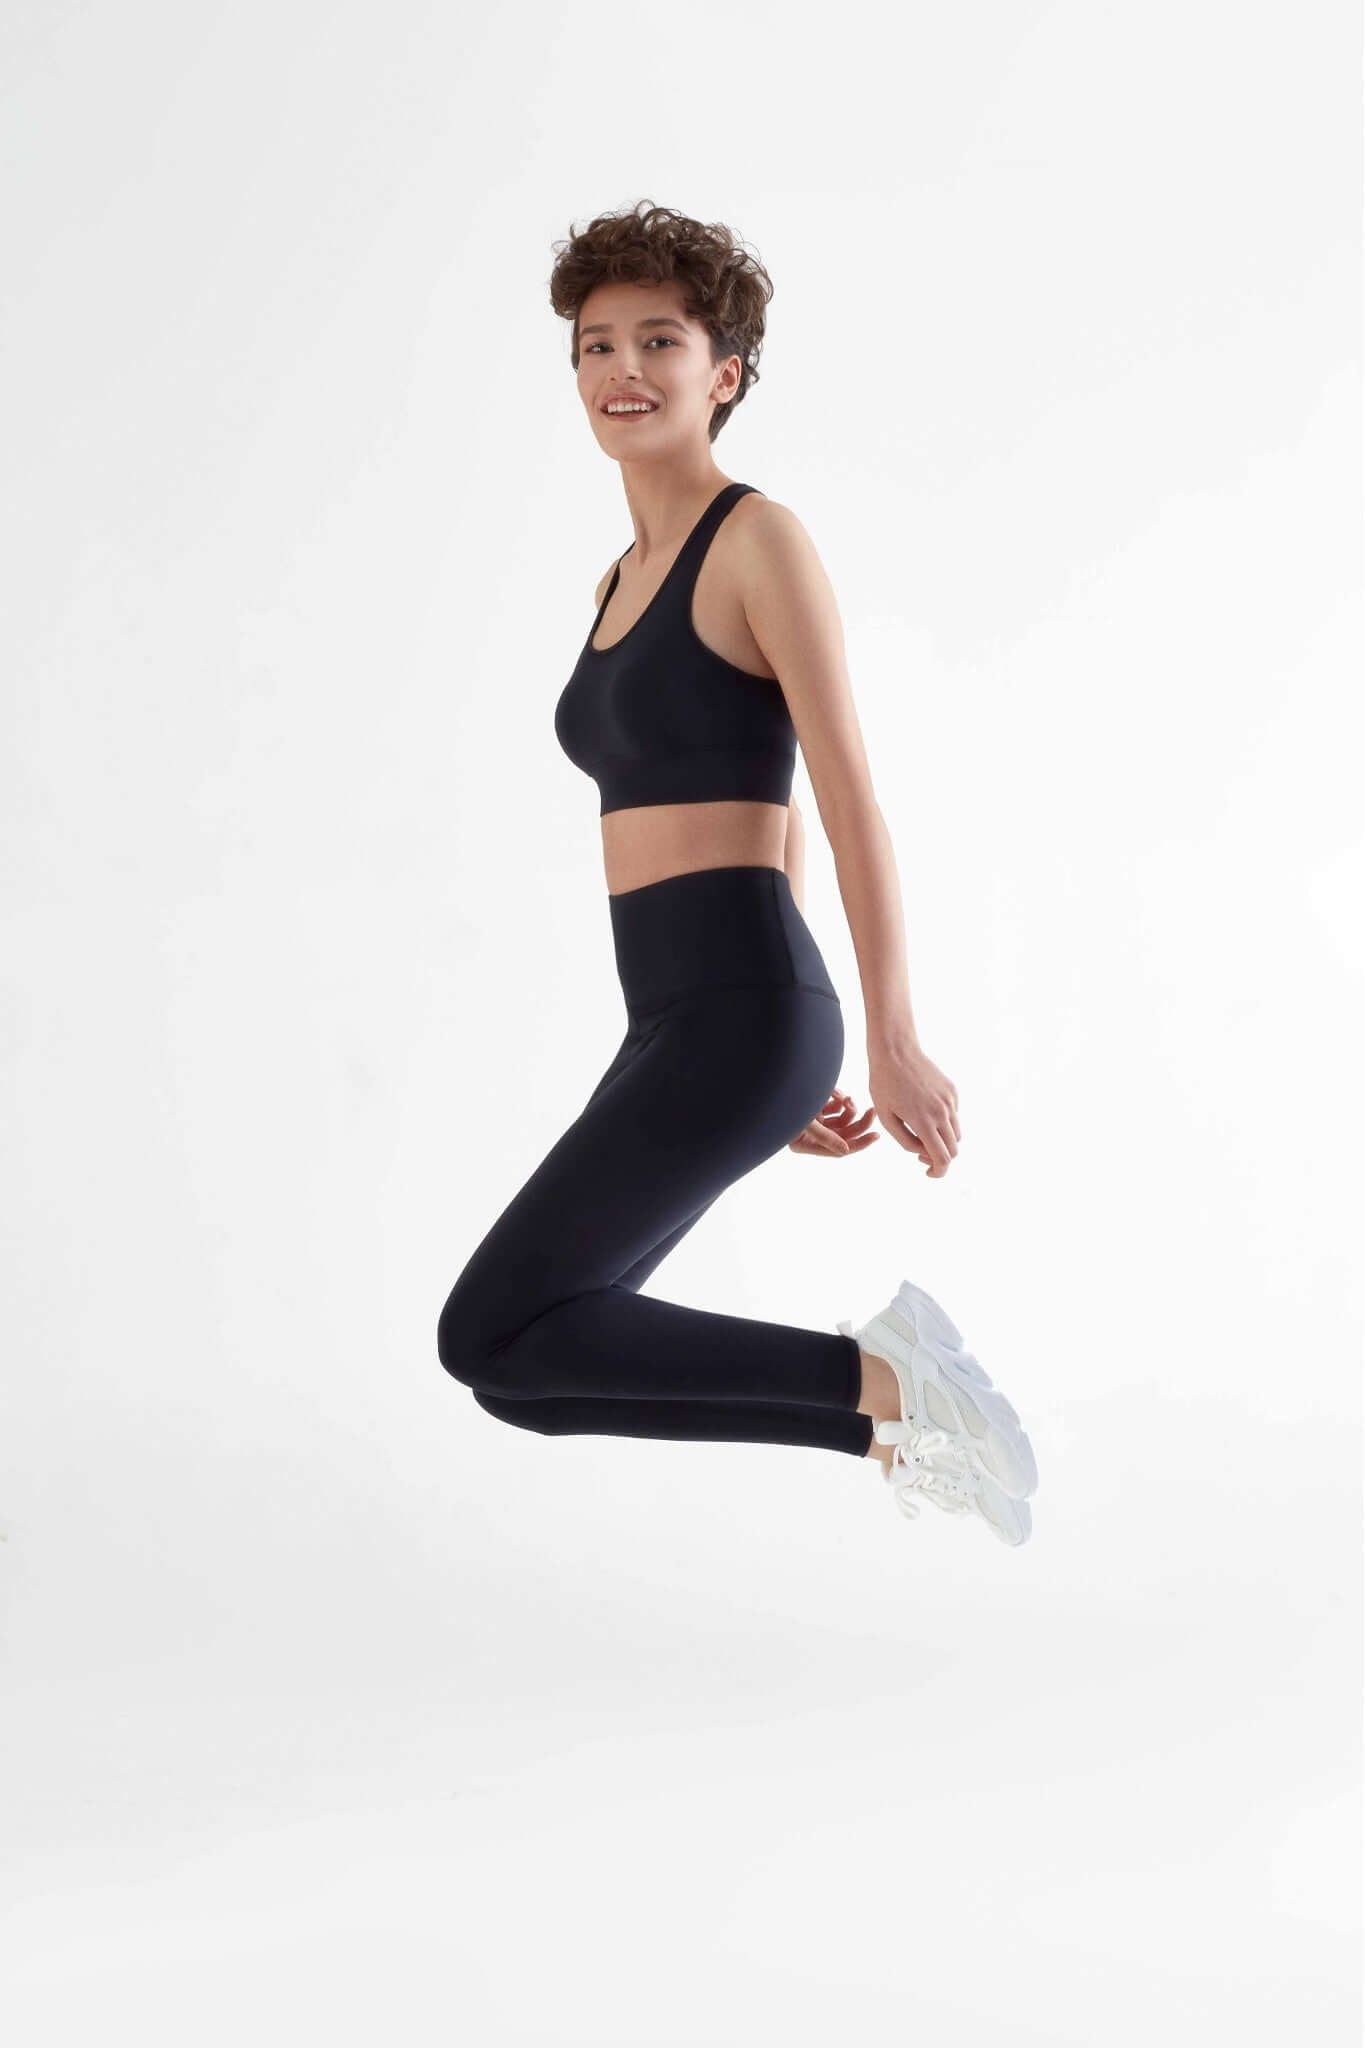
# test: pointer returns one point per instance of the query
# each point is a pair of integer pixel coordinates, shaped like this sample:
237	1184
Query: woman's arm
794	855
794	617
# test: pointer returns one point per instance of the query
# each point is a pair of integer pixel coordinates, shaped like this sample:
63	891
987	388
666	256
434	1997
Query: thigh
634	1276
697	1096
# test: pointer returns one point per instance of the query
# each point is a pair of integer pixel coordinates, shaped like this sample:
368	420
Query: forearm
794	856
865	863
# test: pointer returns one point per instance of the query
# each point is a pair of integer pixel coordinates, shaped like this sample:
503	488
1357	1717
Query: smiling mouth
630	413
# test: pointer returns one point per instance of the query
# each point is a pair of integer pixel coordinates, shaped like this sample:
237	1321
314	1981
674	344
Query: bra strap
688	565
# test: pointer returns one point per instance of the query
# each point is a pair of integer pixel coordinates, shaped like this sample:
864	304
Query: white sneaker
948	1480
943	1387
924	1466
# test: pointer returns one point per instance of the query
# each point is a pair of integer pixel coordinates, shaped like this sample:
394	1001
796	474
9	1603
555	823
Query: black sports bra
659	717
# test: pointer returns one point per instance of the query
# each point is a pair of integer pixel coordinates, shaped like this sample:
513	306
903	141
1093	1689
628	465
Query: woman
716	645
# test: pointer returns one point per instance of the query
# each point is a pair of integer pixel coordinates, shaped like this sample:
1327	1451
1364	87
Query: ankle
883	1453
880	1393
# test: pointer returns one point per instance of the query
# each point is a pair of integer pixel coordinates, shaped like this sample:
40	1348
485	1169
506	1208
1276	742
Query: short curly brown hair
725	287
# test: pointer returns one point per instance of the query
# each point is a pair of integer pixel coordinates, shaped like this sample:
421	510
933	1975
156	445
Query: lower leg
717	1421
880	1399
608	1343
768	1422
798	1423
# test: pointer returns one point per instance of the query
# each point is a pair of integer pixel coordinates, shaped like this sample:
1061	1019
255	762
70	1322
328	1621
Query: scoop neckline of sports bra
668	572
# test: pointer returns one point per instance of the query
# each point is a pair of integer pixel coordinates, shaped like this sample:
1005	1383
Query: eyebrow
657	320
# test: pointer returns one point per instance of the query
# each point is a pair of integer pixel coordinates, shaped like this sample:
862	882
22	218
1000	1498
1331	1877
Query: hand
917	1104
837	1131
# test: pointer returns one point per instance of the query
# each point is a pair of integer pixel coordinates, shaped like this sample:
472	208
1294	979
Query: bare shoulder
601	589
777	558
768	515
793	615
774	544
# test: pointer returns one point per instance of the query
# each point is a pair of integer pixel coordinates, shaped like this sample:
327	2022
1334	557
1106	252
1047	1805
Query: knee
461	1347
536	1415
473	1336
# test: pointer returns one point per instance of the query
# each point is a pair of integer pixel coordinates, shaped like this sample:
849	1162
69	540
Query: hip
710	929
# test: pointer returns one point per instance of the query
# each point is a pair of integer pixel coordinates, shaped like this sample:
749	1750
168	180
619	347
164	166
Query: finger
848	1123
912	1141
818	1139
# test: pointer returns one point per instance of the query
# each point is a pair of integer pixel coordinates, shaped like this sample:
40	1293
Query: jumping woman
716	645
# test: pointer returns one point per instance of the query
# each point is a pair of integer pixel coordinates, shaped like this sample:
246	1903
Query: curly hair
725	287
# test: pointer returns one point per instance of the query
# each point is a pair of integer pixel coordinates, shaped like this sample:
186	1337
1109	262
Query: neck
666	502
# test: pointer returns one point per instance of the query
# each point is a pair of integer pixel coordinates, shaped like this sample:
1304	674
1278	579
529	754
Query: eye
669	338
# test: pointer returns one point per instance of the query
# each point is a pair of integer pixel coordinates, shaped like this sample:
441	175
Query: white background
336	1710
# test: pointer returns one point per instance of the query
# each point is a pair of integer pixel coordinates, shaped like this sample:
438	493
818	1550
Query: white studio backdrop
333	1707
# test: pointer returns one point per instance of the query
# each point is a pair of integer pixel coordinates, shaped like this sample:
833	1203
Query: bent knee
468	1344
461	1347
541	1416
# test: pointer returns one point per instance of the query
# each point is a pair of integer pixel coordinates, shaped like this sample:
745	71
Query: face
635	340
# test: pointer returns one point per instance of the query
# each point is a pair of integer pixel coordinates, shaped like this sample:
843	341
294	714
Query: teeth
613	409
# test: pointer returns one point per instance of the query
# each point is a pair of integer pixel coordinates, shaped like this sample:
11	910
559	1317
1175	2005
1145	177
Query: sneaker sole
1010	1518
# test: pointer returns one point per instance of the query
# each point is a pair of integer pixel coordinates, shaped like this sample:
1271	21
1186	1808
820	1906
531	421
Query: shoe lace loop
916	1469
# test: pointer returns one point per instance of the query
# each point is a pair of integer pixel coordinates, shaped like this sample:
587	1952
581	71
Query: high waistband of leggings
713	928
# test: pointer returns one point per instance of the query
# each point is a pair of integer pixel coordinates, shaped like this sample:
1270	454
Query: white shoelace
913	1469
943	1483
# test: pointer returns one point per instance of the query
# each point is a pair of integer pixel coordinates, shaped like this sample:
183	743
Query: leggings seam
782	925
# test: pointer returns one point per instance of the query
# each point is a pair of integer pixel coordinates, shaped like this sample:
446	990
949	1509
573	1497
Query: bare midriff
650	842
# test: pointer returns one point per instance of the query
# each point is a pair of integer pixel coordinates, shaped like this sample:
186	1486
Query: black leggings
733	1042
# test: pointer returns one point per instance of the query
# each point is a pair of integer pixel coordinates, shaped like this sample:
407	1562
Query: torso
649	843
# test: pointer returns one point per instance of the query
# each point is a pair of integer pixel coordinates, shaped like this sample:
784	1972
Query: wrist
892	1039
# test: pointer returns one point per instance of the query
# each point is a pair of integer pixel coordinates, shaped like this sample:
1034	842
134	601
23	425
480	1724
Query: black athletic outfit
734	1039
